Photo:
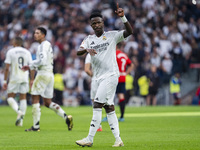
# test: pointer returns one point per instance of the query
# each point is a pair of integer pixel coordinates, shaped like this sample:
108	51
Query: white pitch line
163	114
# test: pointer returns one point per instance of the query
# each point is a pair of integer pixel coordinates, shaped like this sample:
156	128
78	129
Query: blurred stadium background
165	32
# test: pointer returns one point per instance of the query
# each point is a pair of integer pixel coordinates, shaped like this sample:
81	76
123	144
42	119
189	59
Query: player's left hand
91	51
119	11
5	86
25	68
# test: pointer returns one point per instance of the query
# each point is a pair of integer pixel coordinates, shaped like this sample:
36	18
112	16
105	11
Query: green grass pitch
145	128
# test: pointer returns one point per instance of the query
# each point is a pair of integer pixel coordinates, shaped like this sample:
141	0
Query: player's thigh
48	93
40	84
24	88
93	91
121	88
18	88
13	88
106	90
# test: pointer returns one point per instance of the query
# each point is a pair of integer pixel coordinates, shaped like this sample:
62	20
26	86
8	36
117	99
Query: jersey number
123	64
21	62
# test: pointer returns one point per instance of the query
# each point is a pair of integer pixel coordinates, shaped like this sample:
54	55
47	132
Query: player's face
38	36
97	25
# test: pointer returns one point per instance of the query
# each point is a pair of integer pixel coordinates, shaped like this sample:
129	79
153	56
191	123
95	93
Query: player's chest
100	44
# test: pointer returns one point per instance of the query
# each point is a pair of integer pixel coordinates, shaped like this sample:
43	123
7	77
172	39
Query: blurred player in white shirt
16	58
102	48
43	83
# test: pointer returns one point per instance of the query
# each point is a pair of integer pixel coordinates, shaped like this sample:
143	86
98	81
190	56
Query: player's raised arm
129	29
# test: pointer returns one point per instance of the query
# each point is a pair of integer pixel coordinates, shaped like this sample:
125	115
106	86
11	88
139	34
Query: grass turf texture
145	128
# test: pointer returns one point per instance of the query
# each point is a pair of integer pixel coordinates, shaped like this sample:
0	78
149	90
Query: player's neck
16	45
41	41
99	34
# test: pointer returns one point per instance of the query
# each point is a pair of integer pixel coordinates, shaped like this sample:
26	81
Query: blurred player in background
43	83
154	82
102	48
88	70
175	88
125	67
16	58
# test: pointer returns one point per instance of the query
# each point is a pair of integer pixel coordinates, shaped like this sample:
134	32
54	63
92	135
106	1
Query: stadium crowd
166	34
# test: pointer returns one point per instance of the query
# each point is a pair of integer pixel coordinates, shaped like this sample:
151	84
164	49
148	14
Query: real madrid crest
104	38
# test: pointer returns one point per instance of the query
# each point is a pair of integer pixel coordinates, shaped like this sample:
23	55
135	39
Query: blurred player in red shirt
125	67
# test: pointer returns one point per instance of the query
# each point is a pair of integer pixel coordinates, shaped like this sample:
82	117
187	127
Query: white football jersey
88	59
104	62
44	58
18	57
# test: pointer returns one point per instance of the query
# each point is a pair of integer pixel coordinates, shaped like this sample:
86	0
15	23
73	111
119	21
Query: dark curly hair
96	13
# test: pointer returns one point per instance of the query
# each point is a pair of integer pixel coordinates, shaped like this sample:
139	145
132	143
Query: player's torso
45	49
122	63
105	60
19	57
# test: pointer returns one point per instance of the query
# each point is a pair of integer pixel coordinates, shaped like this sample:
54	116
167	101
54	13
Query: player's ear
103	19
43	35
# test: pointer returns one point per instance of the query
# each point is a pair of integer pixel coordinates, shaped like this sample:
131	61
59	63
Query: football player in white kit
43	83
102	48
16	58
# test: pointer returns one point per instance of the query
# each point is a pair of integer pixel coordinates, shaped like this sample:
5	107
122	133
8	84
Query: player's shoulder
13	50
26	51
22	49
91	36
112	32
46	43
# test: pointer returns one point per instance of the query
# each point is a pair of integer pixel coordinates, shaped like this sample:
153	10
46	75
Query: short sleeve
84	43
88	59
119	36
8	58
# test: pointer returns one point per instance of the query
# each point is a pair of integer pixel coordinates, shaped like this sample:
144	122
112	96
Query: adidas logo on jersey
92	125
92	43
97	99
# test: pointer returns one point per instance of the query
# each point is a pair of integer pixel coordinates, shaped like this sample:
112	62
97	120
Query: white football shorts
43	85
93	90
22	88
104	90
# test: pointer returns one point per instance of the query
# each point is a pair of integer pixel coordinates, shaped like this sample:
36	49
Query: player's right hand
91	51
119	11
25	68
